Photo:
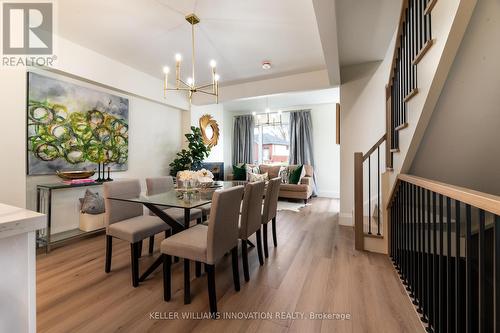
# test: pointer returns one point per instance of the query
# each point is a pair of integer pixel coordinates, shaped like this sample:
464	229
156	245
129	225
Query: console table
44	238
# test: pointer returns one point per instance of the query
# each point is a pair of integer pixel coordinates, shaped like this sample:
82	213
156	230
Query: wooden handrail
375	146
481	200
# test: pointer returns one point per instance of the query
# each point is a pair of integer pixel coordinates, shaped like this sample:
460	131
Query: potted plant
192	157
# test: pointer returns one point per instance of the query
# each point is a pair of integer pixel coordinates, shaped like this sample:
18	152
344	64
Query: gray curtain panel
301	140
243	139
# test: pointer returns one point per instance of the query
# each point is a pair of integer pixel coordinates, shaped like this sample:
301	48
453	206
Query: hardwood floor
314	269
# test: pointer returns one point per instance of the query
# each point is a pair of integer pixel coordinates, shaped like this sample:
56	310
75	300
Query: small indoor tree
190	158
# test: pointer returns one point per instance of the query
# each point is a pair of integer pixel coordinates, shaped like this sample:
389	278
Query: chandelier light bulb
254	113
190	80
217	77
166	70
178	57
213	63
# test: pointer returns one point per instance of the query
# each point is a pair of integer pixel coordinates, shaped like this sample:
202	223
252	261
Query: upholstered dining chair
250	222
206	244
157	185
269	211
126	221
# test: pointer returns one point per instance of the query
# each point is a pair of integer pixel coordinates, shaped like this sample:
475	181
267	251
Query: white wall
217	113
467	112
154	127
362	120
326	152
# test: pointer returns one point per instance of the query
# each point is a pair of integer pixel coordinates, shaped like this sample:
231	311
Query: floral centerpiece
205	177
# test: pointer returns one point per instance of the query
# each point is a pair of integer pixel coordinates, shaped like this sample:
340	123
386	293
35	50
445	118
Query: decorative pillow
272	170
284	172
239	172
296	175
257	177
92	203
251	168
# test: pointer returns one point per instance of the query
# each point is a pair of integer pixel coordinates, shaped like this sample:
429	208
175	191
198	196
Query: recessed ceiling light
266	65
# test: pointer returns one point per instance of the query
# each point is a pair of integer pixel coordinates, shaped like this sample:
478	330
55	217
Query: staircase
427	39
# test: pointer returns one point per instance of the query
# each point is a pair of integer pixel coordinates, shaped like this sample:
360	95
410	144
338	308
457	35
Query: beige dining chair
250	222
269	211
206	244
157	185
126	221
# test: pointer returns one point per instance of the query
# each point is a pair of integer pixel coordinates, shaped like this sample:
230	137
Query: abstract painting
71	127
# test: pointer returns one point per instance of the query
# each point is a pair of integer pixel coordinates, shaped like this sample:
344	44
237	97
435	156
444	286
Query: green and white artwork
71	127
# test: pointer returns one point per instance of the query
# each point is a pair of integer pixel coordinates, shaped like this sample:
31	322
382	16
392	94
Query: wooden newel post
358	202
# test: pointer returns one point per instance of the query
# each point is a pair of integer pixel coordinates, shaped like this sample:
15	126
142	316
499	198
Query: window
271	139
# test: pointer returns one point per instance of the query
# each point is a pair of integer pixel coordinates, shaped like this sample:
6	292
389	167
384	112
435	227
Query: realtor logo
27	28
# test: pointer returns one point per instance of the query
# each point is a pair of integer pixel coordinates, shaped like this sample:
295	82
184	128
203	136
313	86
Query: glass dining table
176	198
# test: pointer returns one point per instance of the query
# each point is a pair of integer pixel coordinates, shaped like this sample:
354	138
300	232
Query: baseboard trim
329	194
345	219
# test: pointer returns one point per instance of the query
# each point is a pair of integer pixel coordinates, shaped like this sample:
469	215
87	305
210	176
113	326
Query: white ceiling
365	29
283	101
145	34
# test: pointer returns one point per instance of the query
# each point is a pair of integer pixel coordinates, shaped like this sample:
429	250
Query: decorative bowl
71	175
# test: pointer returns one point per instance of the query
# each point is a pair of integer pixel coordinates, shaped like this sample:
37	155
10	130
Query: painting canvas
71	127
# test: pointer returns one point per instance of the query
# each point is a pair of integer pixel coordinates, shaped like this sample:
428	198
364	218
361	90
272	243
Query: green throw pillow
294	177
239	173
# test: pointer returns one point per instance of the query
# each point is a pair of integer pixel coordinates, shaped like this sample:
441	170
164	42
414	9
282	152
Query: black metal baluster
496	276
369	196
449	294
426	17
415	248
442	289
396	209
391	230
420	27
420	255
407	52
458	283
407	237
469	298
411	247
378	191
434	262
405	220
412	31
403	71
429	261
400	217
482	274
424	262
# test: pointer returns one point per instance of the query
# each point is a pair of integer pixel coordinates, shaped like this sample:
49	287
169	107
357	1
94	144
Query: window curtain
301	140
243	139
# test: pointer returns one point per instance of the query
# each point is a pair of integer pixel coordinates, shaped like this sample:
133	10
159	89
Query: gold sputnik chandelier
189	85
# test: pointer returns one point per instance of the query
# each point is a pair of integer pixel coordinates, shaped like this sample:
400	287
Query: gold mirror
209	130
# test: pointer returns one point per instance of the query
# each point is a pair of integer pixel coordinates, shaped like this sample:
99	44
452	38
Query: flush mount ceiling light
190	85
266	65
